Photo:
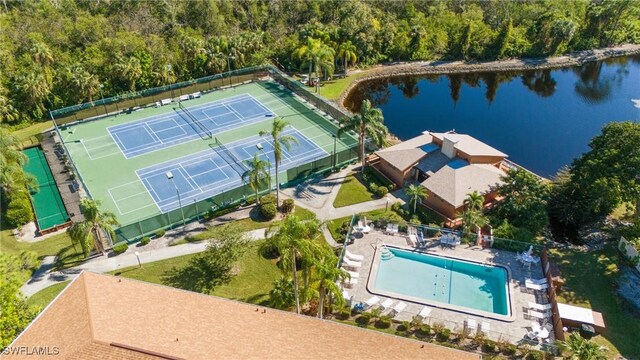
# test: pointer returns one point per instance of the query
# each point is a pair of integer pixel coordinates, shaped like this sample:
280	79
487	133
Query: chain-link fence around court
189	212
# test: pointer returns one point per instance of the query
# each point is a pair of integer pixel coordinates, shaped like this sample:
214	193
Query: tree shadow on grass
592	278
68	257
258	299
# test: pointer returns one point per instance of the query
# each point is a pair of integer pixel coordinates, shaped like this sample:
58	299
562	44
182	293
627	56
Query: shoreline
461	67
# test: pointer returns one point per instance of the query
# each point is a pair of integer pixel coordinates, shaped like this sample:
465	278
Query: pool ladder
385	253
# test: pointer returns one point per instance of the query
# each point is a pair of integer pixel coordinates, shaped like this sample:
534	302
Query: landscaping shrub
383	323
508	349
373	187
120	248
443	335
268	210
535	355
489	346
381	191
268	199
363	319
160	233
404	326
287	206
145	240
425	330
344	314
19	211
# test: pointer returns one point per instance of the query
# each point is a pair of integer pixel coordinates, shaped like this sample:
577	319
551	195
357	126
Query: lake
542	119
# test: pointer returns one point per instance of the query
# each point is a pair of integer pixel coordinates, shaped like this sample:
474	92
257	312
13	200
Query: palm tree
279	140
369	122
41	54
90	231
306	52
35	86
416	192
130	70
347	52
86	84
294	240
582	349
327	274
257	173
8	113
282	295
474	201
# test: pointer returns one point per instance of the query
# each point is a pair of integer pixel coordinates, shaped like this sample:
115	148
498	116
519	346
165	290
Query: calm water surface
541	119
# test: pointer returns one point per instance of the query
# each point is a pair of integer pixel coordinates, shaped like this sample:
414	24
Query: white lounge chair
349	263
538	315
400	306
395	228
539	307
374	300
537	281
471	324
485	327
353	274
386	304
349	282
353	256
533	286
413	239
425	312
389	229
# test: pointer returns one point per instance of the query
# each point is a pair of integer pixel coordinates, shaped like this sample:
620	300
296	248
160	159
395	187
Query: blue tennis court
161	131
207	173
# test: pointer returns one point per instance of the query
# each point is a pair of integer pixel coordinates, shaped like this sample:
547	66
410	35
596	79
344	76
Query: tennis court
47	204
209	172
122	160
186	123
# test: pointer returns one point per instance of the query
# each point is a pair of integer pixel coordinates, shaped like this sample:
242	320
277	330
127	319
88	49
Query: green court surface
111	177
47	204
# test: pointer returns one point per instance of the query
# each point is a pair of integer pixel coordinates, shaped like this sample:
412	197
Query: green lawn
43	297
252	283
30	135
590	282
334	88
334	225
352	191
58	245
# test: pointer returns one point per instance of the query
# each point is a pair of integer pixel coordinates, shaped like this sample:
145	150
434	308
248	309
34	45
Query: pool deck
513	331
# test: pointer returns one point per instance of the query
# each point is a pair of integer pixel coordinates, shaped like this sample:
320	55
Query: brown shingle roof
96	311
469	145
402	159
453	185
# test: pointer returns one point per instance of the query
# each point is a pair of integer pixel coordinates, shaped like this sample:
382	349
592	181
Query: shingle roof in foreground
107	317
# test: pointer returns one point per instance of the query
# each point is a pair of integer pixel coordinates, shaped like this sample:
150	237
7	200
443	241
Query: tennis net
241	168
195	120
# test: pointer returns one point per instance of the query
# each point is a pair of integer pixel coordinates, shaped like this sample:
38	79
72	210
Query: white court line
188	177
86	150
151	132
114	202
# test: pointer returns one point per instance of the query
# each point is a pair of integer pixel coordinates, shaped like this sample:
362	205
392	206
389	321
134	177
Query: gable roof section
454	184
469	145
101	316
402	159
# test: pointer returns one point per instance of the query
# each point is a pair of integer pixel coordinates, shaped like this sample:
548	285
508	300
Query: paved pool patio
513	331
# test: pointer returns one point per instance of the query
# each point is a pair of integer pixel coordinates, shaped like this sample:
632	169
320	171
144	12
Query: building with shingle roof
107	317
449	165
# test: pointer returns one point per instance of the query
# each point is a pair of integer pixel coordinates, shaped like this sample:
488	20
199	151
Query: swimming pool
444	282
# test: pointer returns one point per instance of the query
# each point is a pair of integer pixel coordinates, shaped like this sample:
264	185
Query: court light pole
335	141
138	257
170	177
229	58
102	98
261	148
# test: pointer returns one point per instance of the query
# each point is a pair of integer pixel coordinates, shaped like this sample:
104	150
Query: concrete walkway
44	278
316	195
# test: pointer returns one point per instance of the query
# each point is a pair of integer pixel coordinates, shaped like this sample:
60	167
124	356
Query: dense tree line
59	53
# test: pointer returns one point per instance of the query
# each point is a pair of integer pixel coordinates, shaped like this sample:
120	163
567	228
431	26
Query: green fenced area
47	203
124	176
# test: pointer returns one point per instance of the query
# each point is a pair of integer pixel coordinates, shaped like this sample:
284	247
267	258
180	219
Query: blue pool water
444	280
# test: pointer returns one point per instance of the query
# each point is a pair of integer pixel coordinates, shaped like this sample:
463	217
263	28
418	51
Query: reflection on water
560	108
